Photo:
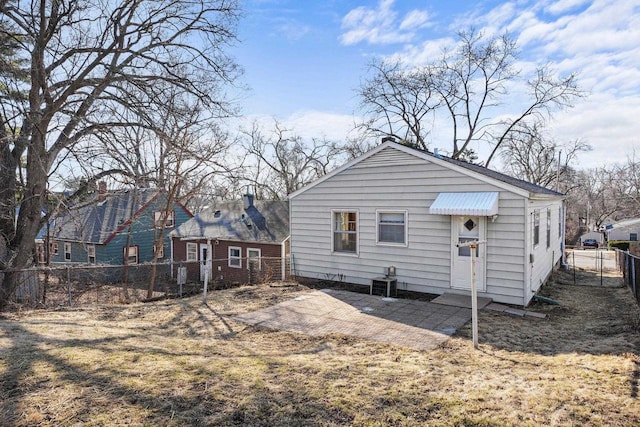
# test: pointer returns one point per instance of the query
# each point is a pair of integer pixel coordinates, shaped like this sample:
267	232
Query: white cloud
596	39
564	6
415	19
381	25
606	122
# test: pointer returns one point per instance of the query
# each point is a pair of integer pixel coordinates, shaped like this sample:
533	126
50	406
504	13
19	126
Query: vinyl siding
142	235
544	258
394	180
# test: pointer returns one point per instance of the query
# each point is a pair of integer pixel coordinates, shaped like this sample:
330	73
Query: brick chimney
102	190
248	198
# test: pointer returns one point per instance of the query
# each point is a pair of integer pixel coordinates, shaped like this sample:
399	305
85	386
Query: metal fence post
69	284
633	275
601	266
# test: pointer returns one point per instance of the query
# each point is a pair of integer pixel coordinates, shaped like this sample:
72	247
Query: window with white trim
131	255
392	227
67	251
345	231
159	249
254	257
548	228
192	252
91	254
560	222
158	217
53	248
536	228
235	257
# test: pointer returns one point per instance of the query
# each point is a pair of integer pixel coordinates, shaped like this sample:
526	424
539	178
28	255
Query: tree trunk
22	246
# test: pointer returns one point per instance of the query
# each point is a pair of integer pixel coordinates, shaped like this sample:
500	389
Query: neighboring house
626	230
235	240
397	206
112	227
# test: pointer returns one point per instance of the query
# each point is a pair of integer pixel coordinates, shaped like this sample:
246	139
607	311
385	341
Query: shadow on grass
34	363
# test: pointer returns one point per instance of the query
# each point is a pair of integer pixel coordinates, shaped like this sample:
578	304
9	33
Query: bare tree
83	59
626	178
469	87
530	155
399	102
279	163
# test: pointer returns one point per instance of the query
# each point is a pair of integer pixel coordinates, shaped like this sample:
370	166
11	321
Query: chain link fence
629	265
74	285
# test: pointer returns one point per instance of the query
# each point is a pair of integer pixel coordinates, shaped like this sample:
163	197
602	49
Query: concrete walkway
416	324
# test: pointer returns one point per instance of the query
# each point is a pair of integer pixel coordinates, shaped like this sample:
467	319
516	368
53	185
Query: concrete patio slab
415	324
460	300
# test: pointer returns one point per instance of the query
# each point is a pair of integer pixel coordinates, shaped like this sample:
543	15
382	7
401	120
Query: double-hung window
131	255
91	254
548	228
67	251
536	228
254	259
192	252
235	257
158	218
560	222
158	250
345	231
392	228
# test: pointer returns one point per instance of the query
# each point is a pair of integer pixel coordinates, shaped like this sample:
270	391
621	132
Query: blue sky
303	60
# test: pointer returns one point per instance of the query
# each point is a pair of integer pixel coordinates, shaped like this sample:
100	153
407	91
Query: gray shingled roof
266	221
525	185
96	220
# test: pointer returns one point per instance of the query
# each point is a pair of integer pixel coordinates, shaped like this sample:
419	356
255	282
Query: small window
633	237
560	222
91	254
192	252
235	257
392	228
131	255
160	251
53	248
254	258
345	231
536	228
158	217
548	228
67	251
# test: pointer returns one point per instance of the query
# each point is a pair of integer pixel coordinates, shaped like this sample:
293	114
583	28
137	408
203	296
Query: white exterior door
465	229
205	260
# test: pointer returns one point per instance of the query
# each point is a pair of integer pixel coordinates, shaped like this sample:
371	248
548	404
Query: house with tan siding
413	210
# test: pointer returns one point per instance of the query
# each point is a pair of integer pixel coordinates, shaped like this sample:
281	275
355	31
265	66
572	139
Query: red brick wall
270	253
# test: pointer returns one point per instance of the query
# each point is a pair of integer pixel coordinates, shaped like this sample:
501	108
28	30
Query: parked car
590	243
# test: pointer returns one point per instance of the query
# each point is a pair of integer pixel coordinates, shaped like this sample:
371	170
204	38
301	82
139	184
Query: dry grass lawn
186	362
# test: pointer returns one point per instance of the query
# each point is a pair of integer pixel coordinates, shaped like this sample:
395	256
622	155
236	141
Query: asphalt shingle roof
525	185
96	220
265	221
